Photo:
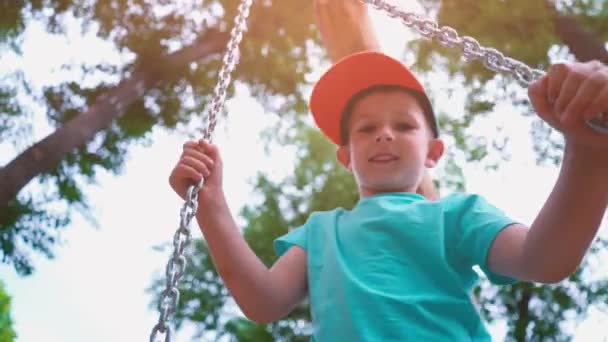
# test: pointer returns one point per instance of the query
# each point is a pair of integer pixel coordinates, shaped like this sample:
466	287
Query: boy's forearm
345	27
244	274
570	218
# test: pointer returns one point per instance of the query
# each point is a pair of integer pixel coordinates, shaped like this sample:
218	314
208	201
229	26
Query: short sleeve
295	237
479	224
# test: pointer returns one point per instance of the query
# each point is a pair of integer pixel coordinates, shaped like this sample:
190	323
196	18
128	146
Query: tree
7	333
173	52
533	312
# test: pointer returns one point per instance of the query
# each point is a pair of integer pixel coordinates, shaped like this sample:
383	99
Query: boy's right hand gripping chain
471	50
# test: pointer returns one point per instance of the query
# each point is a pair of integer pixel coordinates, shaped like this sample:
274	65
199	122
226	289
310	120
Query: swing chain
472	50
177	263
169	300
230	60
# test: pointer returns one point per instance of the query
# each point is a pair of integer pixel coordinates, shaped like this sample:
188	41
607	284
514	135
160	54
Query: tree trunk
584	44
48	152
523	310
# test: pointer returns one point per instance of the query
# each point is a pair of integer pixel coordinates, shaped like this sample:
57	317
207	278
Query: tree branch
48	152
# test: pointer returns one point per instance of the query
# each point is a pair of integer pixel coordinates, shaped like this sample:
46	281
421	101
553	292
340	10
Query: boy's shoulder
324	214
460	197
462	201
473	205
455	202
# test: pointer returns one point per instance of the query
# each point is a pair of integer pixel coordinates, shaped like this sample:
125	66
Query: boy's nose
385	134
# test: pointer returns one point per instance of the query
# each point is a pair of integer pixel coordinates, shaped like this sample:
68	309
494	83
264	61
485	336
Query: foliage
280	38
7	333
536	312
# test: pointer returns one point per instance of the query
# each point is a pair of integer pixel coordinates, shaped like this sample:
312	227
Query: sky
95	288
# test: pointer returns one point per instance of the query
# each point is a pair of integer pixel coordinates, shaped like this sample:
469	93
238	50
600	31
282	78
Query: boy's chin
380	187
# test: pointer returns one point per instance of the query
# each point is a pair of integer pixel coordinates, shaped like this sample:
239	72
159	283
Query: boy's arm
345	27
264	295
555	244
553	247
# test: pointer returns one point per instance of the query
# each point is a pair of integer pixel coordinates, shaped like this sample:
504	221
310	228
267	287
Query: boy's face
390	143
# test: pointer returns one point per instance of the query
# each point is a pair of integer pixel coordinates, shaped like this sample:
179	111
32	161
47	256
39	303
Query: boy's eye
366	128
403	126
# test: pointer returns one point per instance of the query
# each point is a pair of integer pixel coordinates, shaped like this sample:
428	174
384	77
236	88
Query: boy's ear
436	149
343	156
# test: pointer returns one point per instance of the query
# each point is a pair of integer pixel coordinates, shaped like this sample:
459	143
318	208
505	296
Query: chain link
177	263
471	50
230	60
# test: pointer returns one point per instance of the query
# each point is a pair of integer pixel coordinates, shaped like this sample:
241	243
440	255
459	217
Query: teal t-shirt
398	267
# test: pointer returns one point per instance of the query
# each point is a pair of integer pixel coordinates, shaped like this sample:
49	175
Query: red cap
351	75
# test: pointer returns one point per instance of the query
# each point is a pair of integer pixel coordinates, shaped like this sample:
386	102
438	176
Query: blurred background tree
171	54
7	333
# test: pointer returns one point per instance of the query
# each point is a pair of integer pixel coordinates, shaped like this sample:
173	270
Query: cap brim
349	76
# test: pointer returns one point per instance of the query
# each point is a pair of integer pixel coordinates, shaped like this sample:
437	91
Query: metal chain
472	50
231	59
177	263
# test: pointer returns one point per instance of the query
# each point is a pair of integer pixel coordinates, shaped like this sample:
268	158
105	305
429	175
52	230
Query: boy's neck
367	193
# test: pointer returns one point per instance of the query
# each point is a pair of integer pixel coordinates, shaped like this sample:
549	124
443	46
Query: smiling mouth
383	158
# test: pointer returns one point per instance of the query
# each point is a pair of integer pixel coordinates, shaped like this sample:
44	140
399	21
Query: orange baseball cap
350	76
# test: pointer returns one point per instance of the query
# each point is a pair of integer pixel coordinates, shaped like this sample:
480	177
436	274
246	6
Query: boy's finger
567	92
193	174
583	98
201	156
186	174
204	144
196	164
201	146
598	105
556	75
209	148
537	92
189	144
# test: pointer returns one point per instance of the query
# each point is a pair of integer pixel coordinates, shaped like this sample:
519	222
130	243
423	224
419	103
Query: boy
398	267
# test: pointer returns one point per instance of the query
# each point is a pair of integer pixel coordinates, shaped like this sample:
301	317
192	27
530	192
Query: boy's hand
200	159
567	96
